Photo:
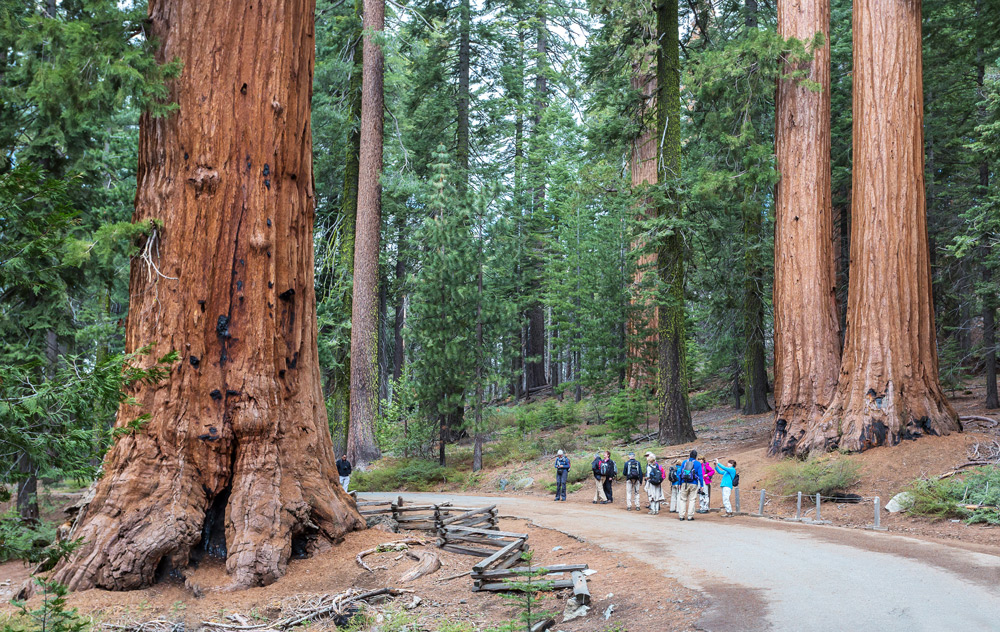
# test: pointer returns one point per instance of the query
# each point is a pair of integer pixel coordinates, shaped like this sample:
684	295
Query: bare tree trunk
349	219
672	379
806	331
888	388
361	444
642	324
238	441
398	349
27	489
535	361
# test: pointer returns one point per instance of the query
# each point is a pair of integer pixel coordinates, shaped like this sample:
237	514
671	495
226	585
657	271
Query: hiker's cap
559	453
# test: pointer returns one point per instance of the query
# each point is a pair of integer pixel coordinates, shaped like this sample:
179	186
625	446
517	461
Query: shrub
23	541
941	498
626	413
815	476
570	487
563	440
705	399
415	475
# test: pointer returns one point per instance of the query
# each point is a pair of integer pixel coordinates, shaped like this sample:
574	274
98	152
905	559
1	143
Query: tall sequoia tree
671	377
888	388
237	454
806	329
642	324
361	445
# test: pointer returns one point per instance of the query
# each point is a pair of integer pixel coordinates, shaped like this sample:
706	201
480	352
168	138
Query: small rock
557	548
524	483
463	601
900	502
608	611
413	604
574	610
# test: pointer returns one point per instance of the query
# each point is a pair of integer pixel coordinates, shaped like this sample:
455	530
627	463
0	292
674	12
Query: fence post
817	508
761	511
878	516
798	507
737	490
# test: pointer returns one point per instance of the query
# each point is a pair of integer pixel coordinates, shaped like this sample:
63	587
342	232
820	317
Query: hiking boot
690	517
681	518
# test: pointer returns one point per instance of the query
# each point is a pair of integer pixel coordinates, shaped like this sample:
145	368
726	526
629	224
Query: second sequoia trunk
236	458
806	331
888	388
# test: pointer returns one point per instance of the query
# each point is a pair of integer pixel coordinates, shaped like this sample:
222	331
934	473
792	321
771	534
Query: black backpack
604	468
672	475
632	471
655	475
736	480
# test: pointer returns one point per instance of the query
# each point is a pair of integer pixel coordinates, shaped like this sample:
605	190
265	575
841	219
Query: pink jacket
707	472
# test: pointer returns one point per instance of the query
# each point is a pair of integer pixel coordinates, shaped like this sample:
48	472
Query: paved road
766	575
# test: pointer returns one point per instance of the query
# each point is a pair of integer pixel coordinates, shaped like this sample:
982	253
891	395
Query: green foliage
524	593
940	498
627	412
51	615
23	541
814	476
413	474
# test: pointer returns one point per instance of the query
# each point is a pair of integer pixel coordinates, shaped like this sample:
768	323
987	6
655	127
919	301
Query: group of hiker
690	482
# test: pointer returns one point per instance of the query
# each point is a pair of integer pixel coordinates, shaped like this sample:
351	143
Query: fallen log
580	589
541	626
555	568
427	562
993	423
556	585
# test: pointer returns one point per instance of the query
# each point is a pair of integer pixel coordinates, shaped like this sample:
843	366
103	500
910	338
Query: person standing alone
344	470
562	474
689	473
633	481
730	479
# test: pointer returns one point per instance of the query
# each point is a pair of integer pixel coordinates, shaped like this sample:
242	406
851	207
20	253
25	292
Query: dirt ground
664	603
725	433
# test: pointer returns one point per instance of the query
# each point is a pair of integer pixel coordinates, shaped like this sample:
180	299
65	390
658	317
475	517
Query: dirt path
763	575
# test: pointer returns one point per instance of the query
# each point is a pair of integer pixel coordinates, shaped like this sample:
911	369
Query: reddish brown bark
888	388
806	330
238	438
361	446
642	325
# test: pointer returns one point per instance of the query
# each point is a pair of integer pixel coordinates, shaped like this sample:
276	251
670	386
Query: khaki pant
599	493
632	490
686	499
726	492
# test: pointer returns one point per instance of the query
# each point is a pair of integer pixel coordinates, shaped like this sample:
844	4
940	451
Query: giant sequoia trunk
236	457
642	325
361	446
671	382
888	388
806	330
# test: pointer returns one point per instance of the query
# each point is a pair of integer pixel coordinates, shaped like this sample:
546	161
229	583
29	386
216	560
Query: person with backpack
609	469
633	479
690	475
730	479
654	476
675	486
595	467
562	474
705	491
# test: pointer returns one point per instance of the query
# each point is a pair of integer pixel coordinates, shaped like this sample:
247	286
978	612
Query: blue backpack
687	472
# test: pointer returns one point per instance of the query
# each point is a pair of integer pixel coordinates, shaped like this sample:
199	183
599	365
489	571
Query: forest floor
664	602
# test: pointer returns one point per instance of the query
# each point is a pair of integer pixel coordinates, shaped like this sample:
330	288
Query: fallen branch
427	562
387	547
455	576
993	423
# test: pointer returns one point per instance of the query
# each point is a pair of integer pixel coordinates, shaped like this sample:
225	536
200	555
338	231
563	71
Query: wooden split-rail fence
473	531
